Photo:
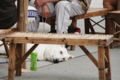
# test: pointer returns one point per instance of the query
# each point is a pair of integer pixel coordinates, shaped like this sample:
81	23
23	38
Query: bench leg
6	48
72	47
18	57
101	62
88	26
74	23
23	49
11	68
107	63
51	22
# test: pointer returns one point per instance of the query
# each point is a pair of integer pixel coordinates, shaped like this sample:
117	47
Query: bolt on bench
102	41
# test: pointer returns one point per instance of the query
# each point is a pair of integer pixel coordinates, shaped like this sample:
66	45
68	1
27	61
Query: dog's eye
61	52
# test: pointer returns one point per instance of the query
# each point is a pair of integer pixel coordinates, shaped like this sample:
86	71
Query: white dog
50	52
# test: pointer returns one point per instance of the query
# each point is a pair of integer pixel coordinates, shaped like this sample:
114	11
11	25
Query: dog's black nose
55	61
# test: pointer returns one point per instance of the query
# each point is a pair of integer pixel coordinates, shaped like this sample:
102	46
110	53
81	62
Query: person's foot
77	31
53	31
73	29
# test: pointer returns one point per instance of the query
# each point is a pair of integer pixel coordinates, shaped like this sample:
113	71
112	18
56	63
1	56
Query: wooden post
110	28
118	20
101	63
86	26
22	13
118	4
108	64
11	68
22	24
74	23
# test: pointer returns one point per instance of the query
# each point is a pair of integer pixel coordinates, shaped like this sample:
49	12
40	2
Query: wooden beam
22	22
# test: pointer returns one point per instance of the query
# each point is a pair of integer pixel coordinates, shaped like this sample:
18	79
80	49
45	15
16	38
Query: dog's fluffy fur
50	52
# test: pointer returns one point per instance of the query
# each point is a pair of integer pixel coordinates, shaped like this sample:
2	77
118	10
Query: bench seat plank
92	12
50	38
113	14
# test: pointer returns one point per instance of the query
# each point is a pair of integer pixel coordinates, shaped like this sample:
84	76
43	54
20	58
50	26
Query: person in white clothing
63	10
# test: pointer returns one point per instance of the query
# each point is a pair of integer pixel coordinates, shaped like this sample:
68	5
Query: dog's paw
71	57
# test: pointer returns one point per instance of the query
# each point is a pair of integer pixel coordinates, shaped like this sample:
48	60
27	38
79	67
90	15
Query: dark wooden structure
113	25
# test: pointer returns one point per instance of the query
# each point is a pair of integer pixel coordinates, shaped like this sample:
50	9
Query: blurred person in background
8	14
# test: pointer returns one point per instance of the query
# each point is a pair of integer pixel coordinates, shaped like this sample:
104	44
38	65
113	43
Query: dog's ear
62	45
71	57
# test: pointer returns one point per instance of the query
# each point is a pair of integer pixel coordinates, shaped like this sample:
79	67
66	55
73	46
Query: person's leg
52	11
50	5
65	10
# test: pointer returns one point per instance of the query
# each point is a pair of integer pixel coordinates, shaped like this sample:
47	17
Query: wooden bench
102	41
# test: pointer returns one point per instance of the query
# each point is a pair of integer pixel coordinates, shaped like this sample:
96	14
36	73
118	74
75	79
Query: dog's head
58	54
